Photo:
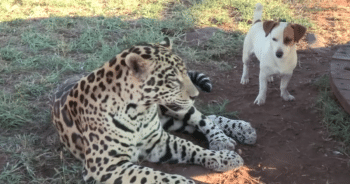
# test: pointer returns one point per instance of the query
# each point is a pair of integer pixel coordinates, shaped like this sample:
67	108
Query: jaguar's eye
175	81
274	39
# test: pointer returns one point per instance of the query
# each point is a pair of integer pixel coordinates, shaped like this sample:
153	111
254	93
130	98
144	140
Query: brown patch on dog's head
269	25
299	31
288	35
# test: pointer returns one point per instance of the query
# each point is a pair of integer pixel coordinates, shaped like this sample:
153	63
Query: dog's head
283	36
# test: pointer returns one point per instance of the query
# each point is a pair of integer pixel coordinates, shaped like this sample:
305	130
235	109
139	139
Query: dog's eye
274	39
287	40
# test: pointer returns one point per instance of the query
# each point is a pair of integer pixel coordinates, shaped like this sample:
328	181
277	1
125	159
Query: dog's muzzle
279	54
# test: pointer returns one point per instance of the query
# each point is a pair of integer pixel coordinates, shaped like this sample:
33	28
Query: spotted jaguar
117	115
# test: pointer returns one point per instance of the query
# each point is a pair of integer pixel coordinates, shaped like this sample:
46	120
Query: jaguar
121	113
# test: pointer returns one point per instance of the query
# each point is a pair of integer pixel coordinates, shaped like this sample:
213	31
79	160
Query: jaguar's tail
200	80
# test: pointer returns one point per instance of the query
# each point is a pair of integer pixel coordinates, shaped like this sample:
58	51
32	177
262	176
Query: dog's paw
288	97
270	79
244	80
259	100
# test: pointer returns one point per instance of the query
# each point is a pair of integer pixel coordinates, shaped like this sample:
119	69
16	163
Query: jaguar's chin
175	107
179	107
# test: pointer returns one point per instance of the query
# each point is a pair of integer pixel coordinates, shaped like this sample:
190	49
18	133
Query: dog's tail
258	13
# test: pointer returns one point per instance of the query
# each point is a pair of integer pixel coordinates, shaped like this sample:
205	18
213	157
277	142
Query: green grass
335	118
32	86
29	154
37	41
23	9
221	13
10	174
72	37
218	108
8	53
14	111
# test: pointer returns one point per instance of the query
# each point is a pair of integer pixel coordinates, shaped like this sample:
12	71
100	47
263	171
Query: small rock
310	38
315	41
337	153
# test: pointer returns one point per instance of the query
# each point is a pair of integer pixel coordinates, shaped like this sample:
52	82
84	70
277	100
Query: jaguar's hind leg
125	172
114	164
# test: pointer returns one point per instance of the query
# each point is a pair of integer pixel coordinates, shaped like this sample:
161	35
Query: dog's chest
274	65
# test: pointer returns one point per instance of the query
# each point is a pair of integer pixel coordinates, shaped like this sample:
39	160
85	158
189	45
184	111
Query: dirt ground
292	145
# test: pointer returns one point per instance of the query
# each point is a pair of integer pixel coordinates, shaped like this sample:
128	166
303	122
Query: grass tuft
10	174
32	87
29	154
37	41
90	40
222	45
9	54
14	112
335	118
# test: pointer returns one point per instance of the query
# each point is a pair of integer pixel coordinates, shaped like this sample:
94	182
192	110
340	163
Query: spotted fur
113	117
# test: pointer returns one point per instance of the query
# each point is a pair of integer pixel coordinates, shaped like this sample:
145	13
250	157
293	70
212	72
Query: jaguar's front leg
172	149
240	130
193	120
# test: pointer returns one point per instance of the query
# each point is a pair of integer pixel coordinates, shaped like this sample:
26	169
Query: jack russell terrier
273	43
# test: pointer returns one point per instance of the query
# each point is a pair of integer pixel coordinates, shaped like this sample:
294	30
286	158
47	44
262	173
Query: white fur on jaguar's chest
149	123
139	122
137	132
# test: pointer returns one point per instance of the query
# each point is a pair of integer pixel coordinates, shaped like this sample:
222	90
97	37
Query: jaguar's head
162	75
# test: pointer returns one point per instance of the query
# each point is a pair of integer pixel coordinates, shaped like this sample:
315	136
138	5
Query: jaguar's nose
193	97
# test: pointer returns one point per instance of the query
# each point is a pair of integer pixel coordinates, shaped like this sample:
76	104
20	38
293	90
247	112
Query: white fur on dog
273	43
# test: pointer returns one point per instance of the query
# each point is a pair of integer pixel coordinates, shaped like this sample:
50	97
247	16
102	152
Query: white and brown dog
273	43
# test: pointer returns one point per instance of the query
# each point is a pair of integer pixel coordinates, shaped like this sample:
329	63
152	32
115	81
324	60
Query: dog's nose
279	54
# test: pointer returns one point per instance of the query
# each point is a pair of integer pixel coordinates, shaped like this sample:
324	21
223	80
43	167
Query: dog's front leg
284	83
260	99
246	61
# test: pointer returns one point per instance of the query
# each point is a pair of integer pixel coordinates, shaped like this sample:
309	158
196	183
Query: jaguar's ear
140	68
167	43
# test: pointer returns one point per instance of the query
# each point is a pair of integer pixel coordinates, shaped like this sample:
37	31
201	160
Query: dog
273	43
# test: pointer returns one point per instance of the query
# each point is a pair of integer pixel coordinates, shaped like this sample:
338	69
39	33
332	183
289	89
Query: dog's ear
268	26
299	32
